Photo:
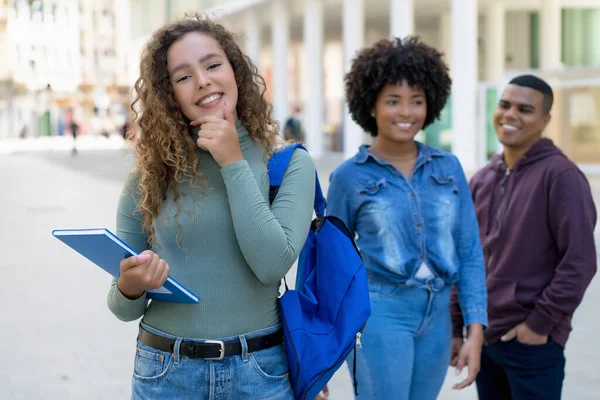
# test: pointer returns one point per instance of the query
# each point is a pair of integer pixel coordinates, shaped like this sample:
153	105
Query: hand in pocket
525	335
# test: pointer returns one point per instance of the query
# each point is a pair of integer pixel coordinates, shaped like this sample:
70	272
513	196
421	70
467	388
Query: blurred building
104	37
304	47
63	55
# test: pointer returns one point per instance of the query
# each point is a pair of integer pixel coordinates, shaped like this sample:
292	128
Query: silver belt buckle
222	349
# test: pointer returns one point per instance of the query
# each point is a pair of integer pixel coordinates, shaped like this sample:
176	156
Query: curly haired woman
411	209
197	208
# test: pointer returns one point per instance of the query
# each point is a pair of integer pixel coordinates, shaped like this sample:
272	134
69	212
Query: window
534	39
579	29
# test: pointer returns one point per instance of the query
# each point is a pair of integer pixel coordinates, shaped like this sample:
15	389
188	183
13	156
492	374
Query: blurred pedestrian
199	198
23	132
125	130
536	219
293	127
74	131
410	206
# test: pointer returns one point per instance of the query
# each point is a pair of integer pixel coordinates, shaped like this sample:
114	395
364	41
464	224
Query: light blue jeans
163	375
406	343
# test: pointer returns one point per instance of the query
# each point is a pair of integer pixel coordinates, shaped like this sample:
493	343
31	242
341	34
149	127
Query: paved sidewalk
60	143
59	339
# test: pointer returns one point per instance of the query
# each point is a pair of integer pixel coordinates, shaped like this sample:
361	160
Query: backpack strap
278	164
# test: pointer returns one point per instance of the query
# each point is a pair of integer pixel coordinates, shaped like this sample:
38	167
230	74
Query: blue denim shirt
401	224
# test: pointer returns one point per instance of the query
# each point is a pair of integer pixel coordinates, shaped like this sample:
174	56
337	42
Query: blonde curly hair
166	152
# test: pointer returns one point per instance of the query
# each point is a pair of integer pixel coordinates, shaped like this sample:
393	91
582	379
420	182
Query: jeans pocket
271	363
151	363
376	196
444	189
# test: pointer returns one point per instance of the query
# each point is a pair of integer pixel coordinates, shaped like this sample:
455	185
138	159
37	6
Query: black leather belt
210	349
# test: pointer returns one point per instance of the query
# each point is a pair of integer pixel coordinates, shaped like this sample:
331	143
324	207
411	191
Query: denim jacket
400	224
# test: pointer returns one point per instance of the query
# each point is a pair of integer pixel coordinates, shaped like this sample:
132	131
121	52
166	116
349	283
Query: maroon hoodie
536	225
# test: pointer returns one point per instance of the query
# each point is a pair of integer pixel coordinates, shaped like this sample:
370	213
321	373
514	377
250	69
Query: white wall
53	45
4	129
181	7
266	70
5	70
147	16
333	82
155	13
518	47
123	37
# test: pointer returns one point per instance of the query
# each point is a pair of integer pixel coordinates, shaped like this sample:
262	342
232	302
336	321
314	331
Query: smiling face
400	112
201	76
519	119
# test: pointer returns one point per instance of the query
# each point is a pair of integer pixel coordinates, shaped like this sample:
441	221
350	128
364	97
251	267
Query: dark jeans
517	371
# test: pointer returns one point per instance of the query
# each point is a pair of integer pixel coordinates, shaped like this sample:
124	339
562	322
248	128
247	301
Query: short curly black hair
393	61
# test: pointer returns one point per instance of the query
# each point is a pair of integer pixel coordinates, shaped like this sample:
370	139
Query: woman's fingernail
144	257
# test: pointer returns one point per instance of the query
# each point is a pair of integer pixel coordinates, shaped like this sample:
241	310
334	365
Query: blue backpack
323	318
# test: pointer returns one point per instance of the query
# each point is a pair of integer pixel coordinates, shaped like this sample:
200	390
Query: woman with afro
410	208
197	209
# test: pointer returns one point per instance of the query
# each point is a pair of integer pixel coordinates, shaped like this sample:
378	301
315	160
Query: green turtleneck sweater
233	248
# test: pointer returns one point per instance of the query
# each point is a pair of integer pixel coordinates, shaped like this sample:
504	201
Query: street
60	341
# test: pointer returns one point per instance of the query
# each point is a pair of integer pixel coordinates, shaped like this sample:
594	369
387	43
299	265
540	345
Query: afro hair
392	61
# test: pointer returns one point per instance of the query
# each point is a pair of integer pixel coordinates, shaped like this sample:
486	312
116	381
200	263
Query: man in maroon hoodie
536	218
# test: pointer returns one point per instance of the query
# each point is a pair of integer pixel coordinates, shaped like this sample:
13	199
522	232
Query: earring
373	114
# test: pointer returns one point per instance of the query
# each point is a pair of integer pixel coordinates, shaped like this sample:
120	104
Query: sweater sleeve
129	229
271	238
572	220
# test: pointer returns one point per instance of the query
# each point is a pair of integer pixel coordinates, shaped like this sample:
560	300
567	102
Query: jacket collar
426	153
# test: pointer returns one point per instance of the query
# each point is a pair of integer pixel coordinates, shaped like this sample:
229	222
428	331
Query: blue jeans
517	371
163	375
405	345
